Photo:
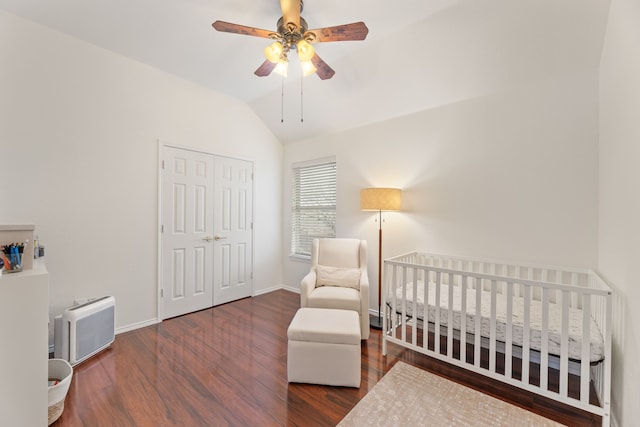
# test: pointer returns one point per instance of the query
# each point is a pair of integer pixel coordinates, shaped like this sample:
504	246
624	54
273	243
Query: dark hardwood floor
228	366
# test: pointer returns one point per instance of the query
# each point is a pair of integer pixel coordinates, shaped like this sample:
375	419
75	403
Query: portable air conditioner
84	330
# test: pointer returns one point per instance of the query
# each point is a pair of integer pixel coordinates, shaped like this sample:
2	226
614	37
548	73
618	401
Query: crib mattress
554	319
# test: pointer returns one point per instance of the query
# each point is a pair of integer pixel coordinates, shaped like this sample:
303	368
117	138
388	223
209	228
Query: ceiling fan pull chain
301	101
282	102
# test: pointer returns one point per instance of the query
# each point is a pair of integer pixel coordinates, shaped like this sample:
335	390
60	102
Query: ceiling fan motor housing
290	33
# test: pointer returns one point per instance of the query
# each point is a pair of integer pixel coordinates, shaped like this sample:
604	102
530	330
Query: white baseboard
374	311
276	288
137	325
290	289
267	290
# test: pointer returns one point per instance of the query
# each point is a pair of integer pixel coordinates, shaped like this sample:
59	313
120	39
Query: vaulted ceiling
419	54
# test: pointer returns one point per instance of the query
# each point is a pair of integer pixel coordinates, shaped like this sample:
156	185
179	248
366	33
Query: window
313	204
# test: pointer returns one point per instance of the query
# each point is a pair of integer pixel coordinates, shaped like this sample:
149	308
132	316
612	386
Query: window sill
300	258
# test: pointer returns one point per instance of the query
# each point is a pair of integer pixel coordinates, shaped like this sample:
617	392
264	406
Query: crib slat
394	303
564	345
526	334
403	329
575	301
385	311
425	309
452	280
463	318
383	305
492	331
586	348
477	321
605	383
544	345
436	332
414	309
509	333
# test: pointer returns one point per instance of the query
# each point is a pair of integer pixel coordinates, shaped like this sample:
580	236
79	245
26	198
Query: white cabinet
24	350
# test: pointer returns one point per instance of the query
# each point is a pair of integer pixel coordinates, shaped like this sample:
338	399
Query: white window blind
313	204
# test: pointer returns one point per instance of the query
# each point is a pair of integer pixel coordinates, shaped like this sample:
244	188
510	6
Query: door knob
208	238
220	237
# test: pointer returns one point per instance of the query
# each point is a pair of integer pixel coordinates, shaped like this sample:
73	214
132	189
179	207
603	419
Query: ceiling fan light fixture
273	52
281	67
305	50
308	68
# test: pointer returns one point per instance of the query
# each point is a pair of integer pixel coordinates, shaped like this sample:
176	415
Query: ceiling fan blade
265	69
291	11
346	32
228	27
323	70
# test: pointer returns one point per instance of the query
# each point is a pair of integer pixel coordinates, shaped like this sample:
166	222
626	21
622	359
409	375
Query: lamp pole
380	199
377	323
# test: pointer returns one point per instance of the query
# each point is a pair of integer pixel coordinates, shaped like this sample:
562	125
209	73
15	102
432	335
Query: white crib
545	329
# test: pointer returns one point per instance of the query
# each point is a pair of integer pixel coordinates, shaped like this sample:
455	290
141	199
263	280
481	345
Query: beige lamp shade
380	199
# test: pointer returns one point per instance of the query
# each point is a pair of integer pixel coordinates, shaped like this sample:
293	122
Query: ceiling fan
293	34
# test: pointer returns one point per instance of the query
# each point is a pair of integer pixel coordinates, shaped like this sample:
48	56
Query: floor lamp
380	199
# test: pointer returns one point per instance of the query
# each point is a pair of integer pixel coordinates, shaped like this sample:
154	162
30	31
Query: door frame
159	265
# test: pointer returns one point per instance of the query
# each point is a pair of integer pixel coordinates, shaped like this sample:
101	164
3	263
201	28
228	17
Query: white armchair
338	278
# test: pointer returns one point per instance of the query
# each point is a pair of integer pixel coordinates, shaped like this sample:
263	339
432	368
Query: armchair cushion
336	297
336	276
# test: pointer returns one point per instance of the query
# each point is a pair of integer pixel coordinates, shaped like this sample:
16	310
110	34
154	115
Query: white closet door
187	231
233	230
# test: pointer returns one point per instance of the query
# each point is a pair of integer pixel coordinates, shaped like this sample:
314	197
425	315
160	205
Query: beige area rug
409	396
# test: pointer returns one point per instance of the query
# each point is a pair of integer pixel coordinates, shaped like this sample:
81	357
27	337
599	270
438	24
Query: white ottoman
324	347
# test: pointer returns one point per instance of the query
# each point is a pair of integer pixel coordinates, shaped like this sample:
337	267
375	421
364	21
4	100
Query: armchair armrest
364	292
364	304
307	285
364	279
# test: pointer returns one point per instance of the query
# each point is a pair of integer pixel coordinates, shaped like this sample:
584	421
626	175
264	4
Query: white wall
512	174
619	213
79	155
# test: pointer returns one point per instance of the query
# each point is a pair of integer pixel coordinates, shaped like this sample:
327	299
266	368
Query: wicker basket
55	411
61	370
